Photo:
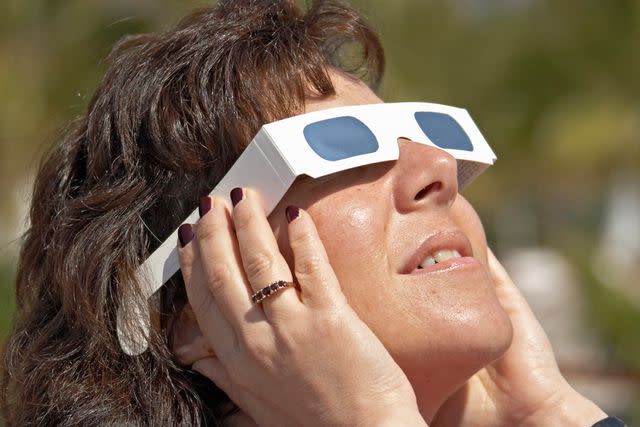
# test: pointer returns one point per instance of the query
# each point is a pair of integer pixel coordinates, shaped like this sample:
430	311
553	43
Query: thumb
510	297
530	342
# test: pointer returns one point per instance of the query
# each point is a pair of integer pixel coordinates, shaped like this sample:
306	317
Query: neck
436	391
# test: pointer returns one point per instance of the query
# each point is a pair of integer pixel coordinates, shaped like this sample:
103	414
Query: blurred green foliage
553	85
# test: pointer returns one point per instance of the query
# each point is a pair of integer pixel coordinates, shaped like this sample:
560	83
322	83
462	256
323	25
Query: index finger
221	266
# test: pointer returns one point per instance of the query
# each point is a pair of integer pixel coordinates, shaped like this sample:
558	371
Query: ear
187	342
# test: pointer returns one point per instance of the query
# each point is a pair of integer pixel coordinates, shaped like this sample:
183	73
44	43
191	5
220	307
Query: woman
364	339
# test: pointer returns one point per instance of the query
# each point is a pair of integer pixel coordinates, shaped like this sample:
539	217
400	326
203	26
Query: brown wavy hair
171	115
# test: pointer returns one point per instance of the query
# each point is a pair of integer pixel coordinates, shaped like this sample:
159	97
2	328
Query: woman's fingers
263	263
317	279
529	339
222	267
185	251
219	305
508	293
202	301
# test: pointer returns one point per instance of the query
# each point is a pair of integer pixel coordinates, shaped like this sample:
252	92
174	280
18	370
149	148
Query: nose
425	177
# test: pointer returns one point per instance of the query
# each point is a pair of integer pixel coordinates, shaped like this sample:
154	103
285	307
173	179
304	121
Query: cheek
351	230
354	238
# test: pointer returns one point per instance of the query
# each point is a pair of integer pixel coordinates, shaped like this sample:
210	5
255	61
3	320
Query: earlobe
187	342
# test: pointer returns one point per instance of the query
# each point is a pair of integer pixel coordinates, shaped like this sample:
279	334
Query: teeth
439	256
427	261
445	255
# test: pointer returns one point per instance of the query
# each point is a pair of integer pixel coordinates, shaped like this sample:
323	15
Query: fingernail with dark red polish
292	212
204	206
185	234
236	196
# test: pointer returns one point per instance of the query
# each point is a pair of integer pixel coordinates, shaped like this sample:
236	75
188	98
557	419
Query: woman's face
442	322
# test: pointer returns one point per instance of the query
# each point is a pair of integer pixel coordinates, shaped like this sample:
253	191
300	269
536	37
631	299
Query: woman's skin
448	327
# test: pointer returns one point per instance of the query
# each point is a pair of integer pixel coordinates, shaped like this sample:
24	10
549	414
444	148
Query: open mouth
438	257
440	249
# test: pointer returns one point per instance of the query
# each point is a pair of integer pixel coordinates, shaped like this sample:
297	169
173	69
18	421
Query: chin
467	349
491	340
483	337
477	330
480	343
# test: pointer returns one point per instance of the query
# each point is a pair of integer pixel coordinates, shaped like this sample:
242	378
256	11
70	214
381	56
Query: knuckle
186	260
302	240
259	263
220	274
208	231
243	218
309	265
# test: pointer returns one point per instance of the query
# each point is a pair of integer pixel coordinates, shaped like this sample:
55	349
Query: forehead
349	91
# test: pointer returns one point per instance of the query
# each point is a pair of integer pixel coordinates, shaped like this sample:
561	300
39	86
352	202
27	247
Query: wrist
569	408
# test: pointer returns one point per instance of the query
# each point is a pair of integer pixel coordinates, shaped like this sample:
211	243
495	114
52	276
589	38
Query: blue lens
340	138
443	130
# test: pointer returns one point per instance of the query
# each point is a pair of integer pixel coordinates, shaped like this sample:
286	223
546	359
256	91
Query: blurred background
554	86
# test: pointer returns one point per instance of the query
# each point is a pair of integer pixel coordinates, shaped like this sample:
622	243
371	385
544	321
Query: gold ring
269	290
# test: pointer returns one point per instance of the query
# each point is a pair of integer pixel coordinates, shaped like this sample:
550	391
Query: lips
443	240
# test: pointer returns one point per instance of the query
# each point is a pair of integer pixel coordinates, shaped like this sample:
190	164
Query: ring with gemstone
269	290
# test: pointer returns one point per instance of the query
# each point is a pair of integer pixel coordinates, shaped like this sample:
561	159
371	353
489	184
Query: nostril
434	186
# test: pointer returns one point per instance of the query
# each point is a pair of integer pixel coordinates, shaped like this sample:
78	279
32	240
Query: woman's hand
525	386
301	356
